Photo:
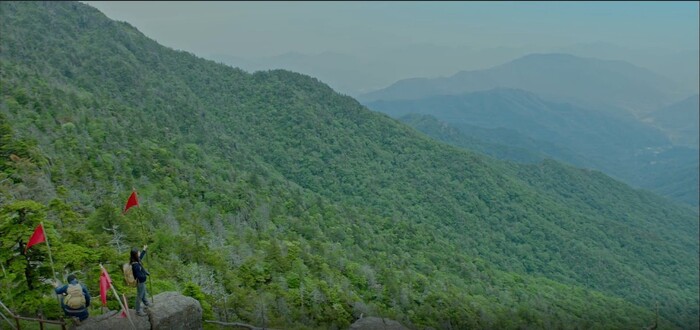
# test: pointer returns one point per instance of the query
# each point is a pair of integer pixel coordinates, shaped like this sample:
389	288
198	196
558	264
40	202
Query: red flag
133	201
36	238
105	284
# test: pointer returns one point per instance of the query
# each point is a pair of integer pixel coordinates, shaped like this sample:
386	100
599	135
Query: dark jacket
64	289
140	273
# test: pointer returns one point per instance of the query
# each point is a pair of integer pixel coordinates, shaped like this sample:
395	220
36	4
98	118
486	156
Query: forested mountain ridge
300	206
500	143
625	148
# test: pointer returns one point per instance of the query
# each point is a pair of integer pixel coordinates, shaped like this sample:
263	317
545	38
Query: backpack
129	275
75	298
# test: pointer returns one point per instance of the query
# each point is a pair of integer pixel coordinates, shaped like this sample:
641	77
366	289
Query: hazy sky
270	28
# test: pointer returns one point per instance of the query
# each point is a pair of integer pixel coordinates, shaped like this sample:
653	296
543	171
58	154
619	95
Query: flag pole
126	311
143	231
46	237
53	271
143	227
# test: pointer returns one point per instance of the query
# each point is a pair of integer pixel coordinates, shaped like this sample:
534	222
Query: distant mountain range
359	74
680	120
682	66
623	147
561	77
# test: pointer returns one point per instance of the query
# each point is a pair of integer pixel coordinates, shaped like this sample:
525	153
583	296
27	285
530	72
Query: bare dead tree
117	237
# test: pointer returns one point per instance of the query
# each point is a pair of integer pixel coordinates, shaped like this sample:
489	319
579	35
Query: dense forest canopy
655	152
275	201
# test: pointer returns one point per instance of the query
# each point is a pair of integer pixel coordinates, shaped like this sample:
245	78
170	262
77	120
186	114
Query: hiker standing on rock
76	298
141	275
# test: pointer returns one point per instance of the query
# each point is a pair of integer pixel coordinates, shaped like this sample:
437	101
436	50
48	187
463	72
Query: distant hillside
679	184
275	201
680	120
444	132
622	147
561	77
680	66
501	143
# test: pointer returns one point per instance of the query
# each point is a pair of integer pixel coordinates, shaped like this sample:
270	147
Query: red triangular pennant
133	201
36	238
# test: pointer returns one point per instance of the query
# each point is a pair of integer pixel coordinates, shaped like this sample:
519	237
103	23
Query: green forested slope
500	143
620	146
297	205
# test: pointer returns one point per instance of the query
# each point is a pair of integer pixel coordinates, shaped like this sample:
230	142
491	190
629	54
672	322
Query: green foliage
518	126
192	290
277	202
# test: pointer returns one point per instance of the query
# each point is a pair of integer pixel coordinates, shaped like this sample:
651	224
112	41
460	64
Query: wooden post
126	311
53	271
46	237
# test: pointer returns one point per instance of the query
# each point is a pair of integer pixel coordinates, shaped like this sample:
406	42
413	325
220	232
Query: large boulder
377	323
170	310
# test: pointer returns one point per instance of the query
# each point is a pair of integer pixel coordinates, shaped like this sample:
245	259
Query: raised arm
143	252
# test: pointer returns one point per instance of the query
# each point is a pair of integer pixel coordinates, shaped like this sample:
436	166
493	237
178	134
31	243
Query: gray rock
377	323
112	320
171	310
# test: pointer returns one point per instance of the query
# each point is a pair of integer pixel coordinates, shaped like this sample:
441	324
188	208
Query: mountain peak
557	76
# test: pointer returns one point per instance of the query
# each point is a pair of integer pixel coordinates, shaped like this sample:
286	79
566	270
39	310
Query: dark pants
81	313
140	295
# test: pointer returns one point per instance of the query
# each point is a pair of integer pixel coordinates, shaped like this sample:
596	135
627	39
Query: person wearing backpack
141	275
76	298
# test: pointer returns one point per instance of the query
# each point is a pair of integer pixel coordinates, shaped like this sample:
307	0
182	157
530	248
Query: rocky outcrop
112	320
377	323
170	310
175	311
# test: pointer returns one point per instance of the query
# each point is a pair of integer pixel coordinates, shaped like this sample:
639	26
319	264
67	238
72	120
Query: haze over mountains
561	77
606	115
680	120
359	74
276	201
681	66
